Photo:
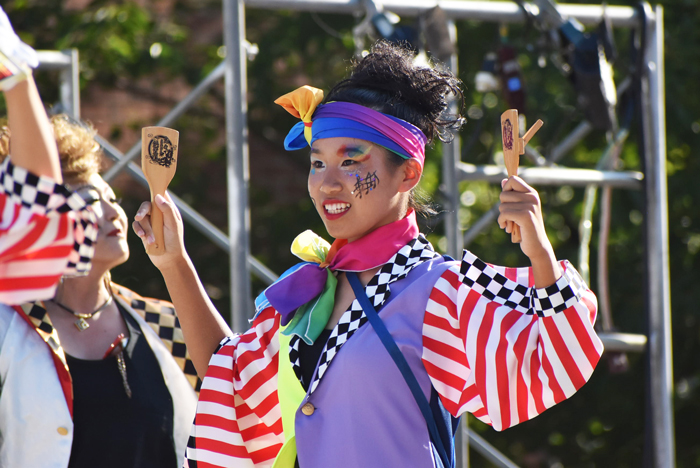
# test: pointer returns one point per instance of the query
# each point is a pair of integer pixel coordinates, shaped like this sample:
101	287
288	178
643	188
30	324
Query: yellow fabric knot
310	247
302	103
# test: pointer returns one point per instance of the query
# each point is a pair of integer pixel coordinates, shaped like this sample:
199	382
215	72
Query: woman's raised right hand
172	231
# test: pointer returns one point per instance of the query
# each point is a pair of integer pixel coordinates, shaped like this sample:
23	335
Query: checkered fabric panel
85	229
294	357
42	196
544	302
39	194
558	297
160	316
39	317
79	262
37	314
485	280
411	255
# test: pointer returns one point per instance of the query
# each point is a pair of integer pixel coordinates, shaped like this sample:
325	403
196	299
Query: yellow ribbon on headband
302	103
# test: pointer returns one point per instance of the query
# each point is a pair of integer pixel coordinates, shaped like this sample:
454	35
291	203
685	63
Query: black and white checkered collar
410	256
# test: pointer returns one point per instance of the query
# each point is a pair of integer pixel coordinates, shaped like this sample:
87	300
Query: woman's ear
412	171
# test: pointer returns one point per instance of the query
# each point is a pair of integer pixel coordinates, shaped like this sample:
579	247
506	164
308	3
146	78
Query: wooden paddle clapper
158	161
513	147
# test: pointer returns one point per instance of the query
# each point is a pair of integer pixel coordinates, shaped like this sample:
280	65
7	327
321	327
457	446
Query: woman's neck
83	294
400	213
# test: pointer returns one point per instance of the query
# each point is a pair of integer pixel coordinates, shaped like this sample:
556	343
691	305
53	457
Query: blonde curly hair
80	154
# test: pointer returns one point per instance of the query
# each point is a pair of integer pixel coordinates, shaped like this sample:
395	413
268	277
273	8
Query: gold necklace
81	324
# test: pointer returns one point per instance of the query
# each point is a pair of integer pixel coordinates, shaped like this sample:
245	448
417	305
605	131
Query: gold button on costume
308	409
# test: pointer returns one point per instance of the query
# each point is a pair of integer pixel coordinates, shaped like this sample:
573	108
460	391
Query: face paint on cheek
358	187
366	185
371	181
313	171
313	200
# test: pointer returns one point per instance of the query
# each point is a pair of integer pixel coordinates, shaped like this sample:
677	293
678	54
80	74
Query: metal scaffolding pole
237	162
630	180
66	61
70	84
489	452
495	12
451	156
659	291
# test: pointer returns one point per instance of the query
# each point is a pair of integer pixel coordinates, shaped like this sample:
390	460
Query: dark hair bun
388	81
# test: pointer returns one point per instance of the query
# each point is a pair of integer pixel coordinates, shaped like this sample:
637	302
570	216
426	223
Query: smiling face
111	248
354	187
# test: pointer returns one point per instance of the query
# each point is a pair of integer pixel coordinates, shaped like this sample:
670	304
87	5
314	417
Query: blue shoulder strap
401	363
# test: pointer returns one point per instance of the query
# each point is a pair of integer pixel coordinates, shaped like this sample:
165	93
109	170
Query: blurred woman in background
95	376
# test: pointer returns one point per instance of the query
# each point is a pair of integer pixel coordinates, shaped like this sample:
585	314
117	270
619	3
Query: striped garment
45	232
493	345
504	364
239	421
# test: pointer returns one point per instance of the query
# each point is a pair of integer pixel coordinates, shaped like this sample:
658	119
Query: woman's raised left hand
172	231
520	204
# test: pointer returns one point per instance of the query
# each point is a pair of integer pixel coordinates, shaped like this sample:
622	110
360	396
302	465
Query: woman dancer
96	376
45	231
311	383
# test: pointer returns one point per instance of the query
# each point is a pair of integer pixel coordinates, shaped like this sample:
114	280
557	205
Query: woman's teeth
336	208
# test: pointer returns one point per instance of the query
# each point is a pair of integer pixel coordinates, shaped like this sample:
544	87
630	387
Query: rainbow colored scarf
305	294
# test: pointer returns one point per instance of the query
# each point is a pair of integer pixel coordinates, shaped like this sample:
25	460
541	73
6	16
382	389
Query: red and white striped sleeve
238	421
495	346
45	232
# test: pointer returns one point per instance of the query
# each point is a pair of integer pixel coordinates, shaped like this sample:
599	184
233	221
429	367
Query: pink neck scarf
306	281
374	249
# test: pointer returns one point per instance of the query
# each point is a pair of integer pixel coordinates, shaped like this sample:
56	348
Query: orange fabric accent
302	103
335	246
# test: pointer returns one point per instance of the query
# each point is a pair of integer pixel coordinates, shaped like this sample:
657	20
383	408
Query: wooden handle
515	236
158	161
530	133
158	248
513	147
510	133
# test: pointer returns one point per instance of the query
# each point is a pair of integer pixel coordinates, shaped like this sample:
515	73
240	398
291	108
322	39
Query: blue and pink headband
345	119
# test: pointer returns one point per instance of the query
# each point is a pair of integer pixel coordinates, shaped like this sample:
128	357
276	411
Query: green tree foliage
129	46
